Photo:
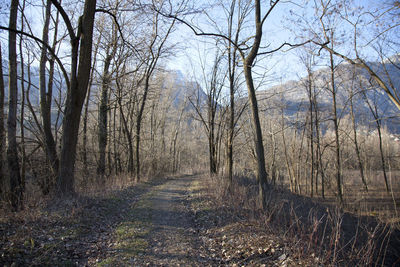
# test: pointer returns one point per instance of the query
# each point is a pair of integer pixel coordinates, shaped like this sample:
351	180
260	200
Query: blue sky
283	65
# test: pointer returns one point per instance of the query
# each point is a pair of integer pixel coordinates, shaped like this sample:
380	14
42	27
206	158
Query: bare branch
65	18
47	47
282	45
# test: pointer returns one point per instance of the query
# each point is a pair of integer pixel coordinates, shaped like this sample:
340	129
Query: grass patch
131	235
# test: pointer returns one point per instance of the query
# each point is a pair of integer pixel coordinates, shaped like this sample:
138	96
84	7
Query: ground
162	222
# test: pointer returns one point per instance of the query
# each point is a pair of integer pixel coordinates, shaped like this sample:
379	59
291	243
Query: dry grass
336	237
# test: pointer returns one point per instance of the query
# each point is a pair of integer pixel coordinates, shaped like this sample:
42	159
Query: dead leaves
66	233
230	239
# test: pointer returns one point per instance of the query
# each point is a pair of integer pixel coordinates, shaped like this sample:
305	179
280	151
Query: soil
163	222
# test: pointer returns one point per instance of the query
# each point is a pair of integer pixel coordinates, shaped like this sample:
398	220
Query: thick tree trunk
16	193
75	98
45	103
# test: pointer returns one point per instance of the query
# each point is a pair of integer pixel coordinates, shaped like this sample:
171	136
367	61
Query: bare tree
373	107
86	114
46	96
16	187
354	124
81	56
328	29
358	21
2	130
214	84
233	60
308	60
22	108
104	103
248	54
154	51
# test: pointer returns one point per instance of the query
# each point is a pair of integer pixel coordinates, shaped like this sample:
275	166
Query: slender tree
214	84
16	187
355	135
111	48
155	51
2	130
373	107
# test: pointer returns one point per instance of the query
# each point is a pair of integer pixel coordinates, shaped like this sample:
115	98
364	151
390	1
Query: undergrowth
335	237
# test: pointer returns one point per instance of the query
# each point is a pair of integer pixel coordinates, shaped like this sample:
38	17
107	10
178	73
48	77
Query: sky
282	66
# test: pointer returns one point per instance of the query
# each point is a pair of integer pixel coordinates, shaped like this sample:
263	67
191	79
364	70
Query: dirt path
164	222
160	230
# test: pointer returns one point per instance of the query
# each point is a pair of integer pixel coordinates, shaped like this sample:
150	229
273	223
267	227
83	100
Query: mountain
178	88
292	96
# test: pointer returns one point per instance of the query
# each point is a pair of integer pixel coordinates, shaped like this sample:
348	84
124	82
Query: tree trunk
336	128
103	111
356	145
320	167
2	130
75	98
85	117
16	193
45	104
22	108
378	126
139	124
311	131
258	142
231	129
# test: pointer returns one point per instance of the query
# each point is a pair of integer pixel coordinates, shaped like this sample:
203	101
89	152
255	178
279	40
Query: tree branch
65	18
47	47
282	45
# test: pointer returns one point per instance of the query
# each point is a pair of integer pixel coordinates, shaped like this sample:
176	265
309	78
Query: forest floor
162	222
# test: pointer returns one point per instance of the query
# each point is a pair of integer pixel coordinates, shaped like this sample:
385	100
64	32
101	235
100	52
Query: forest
282	114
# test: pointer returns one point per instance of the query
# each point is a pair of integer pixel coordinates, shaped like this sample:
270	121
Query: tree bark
336	128
103	111
2	130
85	117
139	123
45	103
76	95
311	129
16	193
22	108
258	140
